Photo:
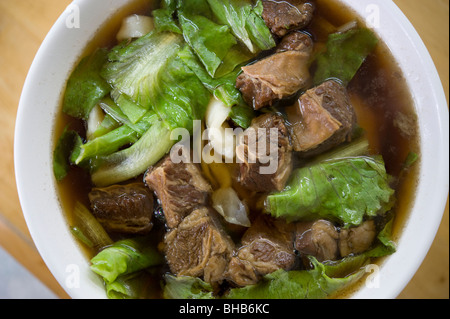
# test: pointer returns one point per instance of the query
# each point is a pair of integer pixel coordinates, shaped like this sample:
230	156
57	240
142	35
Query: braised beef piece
295	41
180	188
271	244
357	240
322	119
265	247
318	239
322	239
123	208
199	247
265	155
278	76
284	16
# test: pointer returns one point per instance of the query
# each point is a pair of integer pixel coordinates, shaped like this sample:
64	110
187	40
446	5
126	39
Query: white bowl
39	106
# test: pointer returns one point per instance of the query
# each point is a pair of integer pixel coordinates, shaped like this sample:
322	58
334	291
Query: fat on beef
265	155
123	208
278	76
285	16
179	187
322	119
199	247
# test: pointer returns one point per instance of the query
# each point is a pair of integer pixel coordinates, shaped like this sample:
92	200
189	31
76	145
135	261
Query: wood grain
23	26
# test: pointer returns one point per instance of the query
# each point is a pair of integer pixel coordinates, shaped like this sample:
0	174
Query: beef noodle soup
236	149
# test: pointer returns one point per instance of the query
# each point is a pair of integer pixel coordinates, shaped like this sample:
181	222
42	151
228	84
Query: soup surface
344	142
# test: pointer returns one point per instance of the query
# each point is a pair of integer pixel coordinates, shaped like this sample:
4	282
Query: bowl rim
70	267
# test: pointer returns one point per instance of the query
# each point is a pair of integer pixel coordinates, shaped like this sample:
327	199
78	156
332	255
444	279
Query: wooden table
23	26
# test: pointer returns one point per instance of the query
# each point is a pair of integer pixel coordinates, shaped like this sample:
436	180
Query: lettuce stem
135	160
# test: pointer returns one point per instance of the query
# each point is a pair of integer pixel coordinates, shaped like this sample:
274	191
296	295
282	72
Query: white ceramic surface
39	105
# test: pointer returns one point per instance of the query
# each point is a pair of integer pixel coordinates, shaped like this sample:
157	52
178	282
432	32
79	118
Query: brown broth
378	92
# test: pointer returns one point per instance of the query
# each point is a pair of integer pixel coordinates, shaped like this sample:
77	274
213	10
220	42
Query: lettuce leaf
316	283
104	145
344	190
257	29
137	285
185	287
134	160
164	18
223	88
150	73
344	55
135	69
131	110
85	86
125	257
210	41
245	21
68	140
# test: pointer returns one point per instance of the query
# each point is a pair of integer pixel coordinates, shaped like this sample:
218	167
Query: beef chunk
318	239
180	188
123	208
322	119
266	247
278	76
357	240
322	239
199	247
284	16
265	157
295	41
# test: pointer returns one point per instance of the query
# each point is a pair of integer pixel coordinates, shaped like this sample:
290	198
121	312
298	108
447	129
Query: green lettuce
317	283
125	257
134	112
138	285
85	86
185	287
107	125
183	98
210	41
257	29
223	88
151	74
344	55
164	18
116	112
134	160
109	138
104	145
62	153
345	190
135	69
245	21
125	287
